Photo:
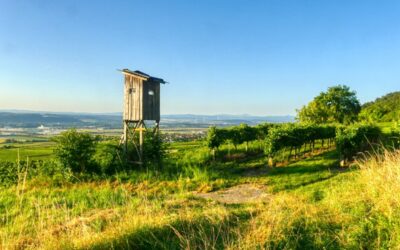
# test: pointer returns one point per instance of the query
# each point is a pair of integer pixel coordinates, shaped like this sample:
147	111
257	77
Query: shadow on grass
323	162
301	183
211	233
200	233
320	163
304	173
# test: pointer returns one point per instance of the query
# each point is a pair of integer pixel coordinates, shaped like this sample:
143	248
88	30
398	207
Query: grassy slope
154	212
314	204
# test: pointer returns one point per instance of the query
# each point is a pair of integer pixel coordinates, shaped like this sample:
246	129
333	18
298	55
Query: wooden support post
141	140
131	131
125	137
156	127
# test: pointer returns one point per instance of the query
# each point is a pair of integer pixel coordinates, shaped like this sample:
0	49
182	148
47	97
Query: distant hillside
26	119
33	120
223	120
383	109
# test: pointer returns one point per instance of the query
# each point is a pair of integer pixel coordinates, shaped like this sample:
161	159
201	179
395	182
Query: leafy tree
337	104
76	150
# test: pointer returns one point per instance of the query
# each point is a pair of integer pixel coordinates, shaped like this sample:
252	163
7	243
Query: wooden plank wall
139	105
133	101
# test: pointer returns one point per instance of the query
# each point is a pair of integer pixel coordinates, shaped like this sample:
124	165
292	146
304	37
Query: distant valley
29	119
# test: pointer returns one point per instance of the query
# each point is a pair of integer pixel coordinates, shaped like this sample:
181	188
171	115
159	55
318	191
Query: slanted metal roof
143	75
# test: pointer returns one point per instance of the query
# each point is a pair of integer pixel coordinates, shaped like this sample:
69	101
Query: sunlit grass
314	204
33	150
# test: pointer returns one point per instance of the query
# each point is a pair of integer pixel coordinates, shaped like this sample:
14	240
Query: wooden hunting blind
141	103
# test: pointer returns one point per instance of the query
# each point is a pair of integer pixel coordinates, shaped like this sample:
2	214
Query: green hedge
237	134
296	135
356	138
349	140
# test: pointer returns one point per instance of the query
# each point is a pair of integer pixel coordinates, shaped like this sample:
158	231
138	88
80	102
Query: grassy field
32	150
309	203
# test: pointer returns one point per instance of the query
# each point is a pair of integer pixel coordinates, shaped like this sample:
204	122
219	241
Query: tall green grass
314	205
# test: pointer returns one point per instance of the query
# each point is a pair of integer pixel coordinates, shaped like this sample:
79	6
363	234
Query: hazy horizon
27	111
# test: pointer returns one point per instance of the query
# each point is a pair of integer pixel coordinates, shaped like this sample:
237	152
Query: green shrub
13	172
76	150
295	135
395	135
237	135
153	149
356	138
215	137
108	157
263	129
8	173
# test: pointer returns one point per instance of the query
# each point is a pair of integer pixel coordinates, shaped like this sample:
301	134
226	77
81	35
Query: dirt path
243	193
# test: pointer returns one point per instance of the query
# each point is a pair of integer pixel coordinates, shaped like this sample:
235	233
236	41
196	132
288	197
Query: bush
237	134
8	173
108	158
13	172
295	135
214	139
262	129
355	138
153	149
395	135
76	150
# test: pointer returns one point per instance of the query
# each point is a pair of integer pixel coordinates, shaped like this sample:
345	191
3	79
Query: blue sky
255	57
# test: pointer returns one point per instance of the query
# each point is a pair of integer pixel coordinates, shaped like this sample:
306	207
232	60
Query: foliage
8	173
295	135
312	206
76	150
383	109
237	134
247	134
13	172
108	157
337	104
233	134
395	133
263	129
356	138
154	149
214	138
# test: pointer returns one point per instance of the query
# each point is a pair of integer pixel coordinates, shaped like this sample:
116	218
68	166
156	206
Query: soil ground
243	193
